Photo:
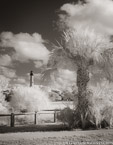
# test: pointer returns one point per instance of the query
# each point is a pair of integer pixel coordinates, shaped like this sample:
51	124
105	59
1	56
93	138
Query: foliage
4	106
107	117
64	95
66	116
23	99
3	86
86	43
29	98
103	100
8	95
83	48
55	95
4	83
86	114
80	49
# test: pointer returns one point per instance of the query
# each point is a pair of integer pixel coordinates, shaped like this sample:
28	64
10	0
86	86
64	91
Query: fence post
55	116
12	119
35	120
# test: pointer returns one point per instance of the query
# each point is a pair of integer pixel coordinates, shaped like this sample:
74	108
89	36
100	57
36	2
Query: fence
35	114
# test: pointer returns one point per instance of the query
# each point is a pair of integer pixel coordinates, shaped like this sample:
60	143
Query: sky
21	22
28	27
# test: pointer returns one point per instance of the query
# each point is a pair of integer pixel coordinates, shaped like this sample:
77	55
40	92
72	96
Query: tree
4	82
83	48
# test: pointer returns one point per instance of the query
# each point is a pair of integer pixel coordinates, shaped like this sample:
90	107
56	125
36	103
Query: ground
75	137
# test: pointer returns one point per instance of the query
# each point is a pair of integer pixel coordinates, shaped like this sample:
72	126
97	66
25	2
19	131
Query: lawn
75	137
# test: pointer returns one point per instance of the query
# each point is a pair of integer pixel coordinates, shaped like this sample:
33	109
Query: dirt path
58	138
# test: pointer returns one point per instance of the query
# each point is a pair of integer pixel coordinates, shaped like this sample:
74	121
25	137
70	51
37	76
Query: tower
31	78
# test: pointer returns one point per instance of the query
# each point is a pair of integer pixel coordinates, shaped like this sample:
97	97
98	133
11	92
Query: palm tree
83	48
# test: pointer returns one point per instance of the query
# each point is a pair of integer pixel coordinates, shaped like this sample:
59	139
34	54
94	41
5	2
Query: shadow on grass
33	128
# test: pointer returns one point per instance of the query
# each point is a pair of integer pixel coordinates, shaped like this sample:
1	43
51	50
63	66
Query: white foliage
31	99
103	99
4	82
103	94
3	86
4	107
87	43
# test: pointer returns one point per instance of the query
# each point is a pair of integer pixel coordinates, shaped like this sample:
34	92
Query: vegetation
23	99
66	116
54	137
84	49
81	51
33	128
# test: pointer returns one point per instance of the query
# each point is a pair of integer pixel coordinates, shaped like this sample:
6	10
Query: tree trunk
81	111
82	80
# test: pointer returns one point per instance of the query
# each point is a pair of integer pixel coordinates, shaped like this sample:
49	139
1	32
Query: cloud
64	79
95	14
7	72
5	60
27	47
20	81
38	63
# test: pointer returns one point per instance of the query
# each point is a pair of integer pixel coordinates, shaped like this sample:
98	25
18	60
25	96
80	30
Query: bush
29	99
66	116
107	117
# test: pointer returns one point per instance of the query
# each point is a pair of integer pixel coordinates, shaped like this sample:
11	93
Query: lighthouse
31	78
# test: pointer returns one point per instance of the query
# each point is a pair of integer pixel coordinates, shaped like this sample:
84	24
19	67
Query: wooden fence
12	116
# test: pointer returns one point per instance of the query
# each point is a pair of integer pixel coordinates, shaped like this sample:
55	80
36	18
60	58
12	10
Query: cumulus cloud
5	60
27	47
95	14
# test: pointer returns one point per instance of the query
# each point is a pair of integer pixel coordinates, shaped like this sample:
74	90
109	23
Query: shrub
29	99
66	116
107	117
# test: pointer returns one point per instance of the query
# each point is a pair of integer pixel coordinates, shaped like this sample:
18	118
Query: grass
58	138
34	128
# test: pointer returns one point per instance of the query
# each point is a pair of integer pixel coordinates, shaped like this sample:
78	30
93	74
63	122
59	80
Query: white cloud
20	80
5	60
96	14
7	72
27	47
64	79
38	63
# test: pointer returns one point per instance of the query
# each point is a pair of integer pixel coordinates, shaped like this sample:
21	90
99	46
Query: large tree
84	48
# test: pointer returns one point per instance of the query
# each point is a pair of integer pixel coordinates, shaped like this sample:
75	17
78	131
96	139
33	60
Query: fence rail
2	115
12	116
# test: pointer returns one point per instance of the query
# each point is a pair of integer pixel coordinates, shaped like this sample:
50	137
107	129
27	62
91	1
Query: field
74	137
